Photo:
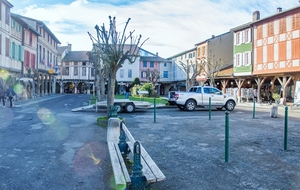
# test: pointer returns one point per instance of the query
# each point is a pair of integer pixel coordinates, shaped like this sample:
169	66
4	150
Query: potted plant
276	97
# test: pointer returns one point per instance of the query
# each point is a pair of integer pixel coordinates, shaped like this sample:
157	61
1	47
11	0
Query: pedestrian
127	91
10	93
2	95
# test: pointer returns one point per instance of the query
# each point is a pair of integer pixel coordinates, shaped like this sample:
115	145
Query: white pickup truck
198	96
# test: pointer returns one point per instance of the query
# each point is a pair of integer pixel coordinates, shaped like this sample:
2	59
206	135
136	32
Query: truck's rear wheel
129	107
190	105
118	107
230	104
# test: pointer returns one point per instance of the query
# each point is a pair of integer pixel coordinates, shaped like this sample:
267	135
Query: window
295	48
129	73
247	36
282	25
18	27
259	56
121	73
30	39
270	52
144	63
7	46
13	23
206	90
238	38
203	51
152	64
83	71
93	72
282	51
166	74
32	59
76	71
21	53
296	20
7	15
67	71
13	50
259	32
144	74
198	52
271	28
165	64
27	58
215	91
238	60
247	58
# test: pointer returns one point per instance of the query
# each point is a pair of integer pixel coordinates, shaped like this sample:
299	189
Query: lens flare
46	116
18	88
4	74
88	158
114	186
96	160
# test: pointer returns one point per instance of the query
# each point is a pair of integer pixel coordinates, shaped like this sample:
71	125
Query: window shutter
249	35
22	54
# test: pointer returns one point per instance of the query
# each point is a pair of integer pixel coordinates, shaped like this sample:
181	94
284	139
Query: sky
172	26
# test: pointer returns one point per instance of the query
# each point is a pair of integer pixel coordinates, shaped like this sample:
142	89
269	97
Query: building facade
76	73
8	75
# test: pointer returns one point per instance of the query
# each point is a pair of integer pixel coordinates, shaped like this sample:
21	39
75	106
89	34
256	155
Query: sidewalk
290	105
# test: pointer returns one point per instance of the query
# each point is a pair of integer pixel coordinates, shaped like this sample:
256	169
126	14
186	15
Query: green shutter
22	54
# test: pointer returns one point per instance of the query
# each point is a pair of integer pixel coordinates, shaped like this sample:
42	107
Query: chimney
256	15
156	53
212	36
69	47
279	9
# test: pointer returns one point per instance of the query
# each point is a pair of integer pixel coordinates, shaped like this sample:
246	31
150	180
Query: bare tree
153	76
114	51
192	70
100	74
212	67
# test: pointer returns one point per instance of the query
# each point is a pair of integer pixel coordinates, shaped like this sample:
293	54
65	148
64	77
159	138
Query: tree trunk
110	91
102	89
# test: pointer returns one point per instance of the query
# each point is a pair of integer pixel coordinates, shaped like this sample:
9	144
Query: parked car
198	96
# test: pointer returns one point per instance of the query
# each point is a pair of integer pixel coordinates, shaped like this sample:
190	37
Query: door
215	95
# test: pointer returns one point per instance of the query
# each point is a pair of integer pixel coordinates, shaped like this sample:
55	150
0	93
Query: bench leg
123	146
138	180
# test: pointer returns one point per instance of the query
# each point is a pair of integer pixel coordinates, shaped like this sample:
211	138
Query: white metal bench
121	144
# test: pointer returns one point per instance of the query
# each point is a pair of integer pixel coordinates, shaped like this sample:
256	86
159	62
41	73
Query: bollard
226	136
154	109
209	110
253	109
286	128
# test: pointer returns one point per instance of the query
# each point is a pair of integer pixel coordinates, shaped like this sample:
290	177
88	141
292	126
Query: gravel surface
190	151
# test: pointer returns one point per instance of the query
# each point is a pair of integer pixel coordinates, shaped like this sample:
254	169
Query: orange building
276	49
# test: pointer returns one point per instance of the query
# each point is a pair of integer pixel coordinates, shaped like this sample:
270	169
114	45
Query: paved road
43	145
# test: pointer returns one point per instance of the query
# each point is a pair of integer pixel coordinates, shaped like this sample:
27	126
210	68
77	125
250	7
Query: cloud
172	26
